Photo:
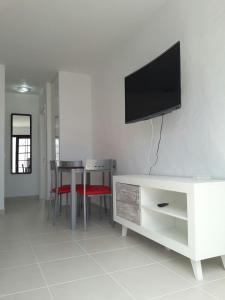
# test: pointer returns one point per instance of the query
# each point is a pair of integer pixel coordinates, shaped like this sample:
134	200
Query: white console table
193	224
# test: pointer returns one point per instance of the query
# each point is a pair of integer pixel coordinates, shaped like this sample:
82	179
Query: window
21	154
21	143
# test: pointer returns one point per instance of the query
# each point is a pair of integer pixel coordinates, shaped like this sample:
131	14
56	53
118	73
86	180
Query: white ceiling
39	37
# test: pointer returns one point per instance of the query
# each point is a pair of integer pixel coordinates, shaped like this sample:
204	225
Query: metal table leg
73	200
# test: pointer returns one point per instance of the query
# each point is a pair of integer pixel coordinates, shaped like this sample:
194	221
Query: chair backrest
56	174
103	166
100	165
71	164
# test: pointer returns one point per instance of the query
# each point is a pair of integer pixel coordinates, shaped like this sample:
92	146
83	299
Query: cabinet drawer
128	212
127	202
127	193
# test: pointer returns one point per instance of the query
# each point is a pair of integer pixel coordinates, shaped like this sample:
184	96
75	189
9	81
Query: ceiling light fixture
23	88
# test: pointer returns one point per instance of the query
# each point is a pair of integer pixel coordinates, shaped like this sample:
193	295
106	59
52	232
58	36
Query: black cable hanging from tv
157	152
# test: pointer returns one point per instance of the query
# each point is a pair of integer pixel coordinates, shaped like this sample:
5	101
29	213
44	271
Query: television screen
155	89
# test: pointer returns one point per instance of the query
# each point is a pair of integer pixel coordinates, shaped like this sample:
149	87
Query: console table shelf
171	210
175	234
192	224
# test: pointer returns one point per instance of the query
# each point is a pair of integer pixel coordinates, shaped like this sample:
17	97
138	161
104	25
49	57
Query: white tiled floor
39	261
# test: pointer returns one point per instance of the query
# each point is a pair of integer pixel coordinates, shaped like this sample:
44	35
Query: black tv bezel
161	112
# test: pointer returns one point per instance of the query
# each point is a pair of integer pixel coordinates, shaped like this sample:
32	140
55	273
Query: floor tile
93	232
216	288
190	294
106	243
13	243
155	251
16	257
212	268
100	288
40	294
45	228
90	224
20	279
12	233
121	259
133	261
151	281
70	269
51	237
57	251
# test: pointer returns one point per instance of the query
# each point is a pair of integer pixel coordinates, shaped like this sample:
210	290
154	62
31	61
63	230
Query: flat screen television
154	89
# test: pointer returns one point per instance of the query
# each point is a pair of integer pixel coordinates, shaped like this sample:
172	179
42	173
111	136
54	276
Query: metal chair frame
57	168
103	166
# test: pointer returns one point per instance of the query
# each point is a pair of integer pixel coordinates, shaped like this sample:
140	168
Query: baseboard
33	197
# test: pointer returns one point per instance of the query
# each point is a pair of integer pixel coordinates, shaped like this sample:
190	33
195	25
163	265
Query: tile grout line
195	285
174	293
108	251
214	280
53	244
75	280
71	241
18	266
81	255
209	294
108	274
131	268
94	238
60	259
113	250
23	292
105	272
74	256
42	273
179	275
98	237
98	275
185	289
198	284
171	293
29	235
90	255
64	258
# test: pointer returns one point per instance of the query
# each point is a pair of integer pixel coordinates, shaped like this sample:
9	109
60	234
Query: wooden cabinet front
128	202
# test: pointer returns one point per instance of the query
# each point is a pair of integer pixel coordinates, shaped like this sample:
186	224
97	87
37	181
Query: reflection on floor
39	261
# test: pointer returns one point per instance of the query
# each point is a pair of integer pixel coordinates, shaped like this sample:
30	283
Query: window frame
17	145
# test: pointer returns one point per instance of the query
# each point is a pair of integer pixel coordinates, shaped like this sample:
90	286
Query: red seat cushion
94	190
64	189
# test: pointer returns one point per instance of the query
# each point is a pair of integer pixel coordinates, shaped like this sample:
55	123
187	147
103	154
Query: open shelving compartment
170	221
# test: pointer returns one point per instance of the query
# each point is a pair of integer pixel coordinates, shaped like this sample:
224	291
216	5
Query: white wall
43	143
49	138
2	136
75	116
193	138
22	184
54	114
